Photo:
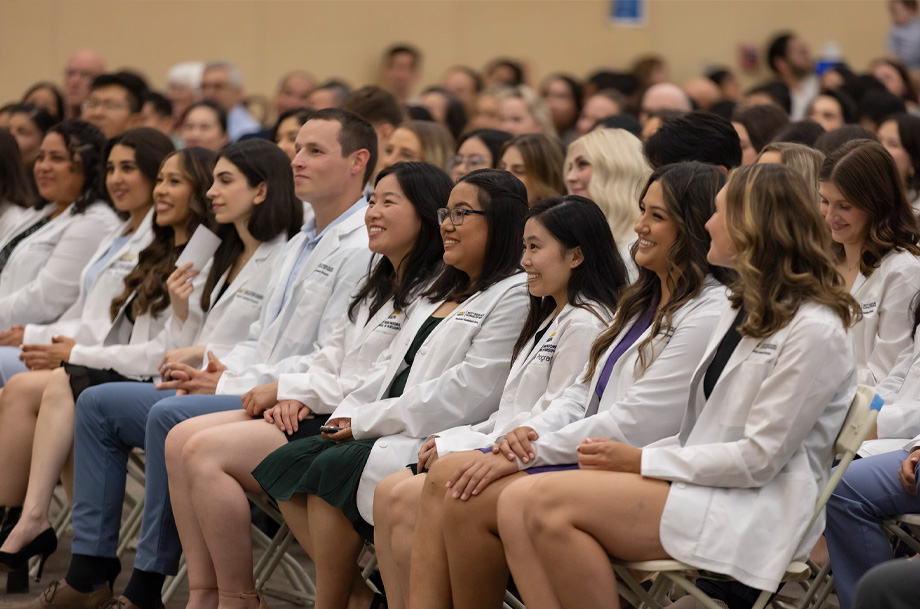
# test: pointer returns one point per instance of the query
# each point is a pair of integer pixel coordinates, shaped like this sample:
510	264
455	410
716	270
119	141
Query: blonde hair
619	171
783	256
534	103
801	159
437	143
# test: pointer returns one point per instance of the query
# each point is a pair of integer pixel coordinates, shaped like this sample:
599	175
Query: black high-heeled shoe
44	545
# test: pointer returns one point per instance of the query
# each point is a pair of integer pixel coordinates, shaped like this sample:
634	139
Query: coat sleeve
567	368
464	393
237	381
895	329
314	379
784	410
651	408
141	358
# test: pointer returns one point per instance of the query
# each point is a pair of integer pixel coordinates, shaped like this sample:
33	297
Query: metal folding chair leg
512	602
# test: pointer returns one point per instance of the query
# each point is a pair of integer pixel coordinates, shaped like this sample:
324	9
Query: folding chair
895	527
859	420
275	554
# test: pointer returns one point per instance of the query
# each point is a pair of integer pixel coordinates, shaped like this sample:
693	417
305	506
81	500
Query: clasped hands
188	380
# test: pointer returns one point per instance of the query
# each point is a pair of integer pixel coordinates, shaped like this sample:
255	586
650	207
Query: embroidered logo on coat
250	296
390	322
546	352
470	317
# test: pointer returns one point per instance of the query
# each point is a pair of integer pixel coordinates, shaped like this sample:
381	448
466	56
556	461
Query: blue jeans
111	420
10	364
868	494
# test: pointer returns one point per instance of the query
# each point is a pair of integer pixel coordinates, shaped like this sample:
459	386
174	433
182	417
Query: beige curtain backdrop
344	38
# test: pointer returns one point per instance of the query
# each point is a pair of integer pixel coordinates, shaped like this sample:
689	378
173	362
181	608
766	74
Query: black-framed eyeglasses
456	215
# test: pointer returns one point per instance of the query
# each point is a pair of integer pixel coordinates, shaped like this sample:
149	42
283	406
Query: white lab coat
228	319
887	325
322	379
749	462
136	350
41	278
457	378
636	410
900	418
321	293
15	219
89	320
538	376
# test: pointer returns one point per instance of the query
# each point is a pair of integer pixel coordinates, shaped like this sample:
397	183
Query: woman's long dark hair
15	187
503	198
85	144
146	283
689	195
280	213
427	187
578	222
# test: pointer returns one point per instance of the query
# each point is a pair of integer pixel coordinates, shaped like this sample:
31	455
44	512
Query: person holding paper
131	162
37	407
308	291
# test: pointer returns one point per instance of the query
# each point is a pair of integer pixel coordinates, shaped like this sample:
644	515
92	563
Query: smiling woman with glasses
480	149
456	215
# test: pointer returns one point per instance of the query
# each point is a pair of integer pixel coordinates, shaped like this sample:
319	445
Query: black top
399	383
538	337
723	353
223	289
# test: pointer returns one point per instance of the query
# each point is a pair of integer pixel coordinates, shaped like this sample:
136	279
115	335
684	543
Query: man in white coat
308	293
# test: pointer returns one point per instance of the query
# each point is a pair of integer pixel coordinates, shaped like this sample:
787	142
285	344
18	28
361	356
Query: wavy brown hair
146	283
866	175
783	255
689	192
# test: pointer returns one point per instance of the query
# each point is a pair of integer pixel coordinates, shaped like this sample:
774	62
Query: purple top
632	336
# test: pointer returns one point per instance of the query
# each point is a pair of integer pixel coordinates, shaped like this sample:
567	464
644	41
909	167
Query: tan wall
345	37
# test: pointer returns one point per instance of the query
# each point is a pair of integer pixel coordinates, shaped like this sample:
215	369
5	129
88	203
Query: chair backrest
859	421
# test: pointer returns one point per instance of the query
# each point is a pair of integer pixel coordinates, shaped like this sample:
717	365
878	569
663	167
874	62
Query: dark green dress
331	471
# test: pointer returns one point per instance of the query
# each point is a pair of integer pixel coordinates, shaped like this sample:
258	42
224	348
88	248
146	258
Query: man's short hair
161	104
777	49
696	136
134	86
236	77
355	134
375	105
404	49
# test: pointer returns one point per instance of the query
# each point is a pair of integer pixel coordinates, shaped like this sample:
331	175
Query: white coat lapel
419	312
858	284
725	322
252	268
523	360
